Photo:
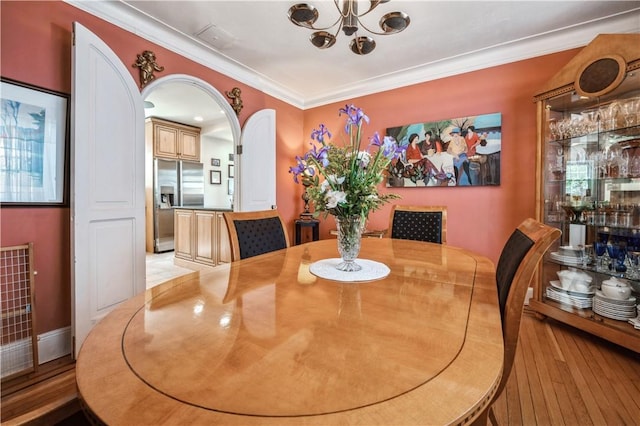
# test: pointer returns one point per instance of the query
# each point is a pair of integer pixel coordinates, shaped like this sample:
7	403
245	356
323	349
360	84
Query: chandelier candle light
305	15
343	180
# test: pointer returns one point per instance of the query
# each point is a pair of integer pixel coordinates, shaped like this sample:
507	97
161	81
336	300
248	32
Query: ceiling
255	43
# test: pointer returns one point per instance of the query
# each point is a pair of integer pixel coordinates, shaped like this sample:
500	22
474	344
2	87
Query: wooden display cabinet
588	183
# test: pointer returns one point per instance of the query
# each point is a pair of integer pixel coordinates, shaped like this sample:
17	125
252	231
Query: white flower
324	186
335	197
364	158
335	180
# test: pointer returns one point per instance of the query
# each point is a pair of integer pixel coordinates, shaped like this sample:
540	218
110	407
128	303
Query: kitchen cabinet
173	140
588	185
201	236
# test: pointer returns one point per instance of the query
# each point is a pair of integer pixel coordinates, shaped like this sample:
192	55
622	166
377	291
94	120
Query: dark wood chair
255	233
419	223
516	268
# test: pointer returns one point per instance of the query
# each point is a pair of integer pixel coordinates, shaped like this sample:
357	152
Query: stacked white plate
571	260
581	300
622	310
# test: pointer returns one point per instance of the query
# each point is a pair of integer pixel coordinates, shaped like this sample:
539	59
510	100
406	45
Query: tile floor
160	268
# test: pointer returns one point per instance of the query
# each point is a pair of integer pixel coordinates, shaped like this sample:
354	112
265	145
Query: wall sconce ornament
146	61
236	99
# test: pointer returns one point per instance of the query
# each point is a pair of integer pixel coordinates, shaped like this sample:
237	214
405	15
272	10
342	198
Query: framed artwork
230	187
453	152
231	170
230	157
216	177
215	162
34	135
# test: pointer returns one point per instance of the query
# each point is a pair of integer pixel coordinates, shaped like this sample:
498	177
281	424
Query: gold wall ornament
236	100
147	63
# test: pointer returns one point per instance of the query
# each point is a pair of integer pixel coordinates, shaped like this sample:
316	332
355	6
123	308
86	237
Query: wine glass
629	111
633	257
600	249
620	265
613	250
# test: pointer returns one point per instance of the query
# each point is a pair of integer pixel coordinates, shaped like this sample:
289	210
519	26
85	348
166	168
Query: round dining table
264	341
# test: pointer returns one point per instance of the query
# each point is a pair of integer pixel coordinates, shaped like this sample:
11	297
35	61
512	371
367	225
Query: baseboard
54	344
16	357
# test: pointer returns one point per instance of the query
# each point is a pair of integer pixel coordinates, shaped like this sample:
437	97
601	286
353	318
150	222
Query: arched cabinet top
596	70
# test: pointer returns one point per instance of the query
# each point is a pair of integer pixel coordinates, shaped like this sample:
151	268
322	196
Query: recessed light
198	118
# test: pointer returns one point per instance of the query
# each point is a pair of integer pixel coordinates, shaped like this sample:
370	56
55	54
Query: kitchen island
201	237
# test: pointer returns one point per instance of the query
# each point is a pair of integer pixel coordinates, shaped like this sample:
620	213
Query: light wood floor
563	376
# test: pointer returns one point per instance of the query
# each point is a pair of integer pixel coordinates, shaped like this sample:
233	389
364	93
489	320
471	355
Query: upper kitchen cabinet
588	185
173	140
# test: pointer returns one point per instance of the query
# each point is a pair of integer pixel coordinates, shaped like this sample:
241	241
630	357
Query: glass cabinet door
591	190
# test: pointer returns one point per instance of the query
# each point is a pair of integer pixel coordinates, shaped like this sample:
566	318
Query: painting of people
454	152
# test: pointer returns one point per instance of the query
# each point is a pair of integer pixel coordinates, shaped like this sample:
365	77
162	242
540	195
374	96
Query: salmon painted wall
35	46
478	218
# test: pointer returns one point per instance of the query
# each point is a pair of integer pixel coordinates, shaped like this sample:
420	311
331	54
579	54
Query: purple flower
319	134
354	116
298	169
320	156
388	145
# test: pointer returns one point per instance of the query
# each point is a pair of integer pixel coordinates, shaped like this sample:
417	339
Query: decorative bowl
569	278
615	289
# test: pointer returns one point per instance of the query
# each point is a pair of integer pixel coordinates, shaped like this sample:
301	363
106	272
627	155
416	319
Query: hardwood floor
562	376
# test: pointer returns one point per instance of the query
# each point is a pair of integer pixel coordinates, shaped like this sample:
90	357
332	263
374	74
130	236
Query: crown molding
141	24
130	19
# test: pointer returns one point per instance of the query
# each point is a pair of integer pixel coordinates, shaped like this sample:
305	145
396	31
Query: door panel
257	165
107	181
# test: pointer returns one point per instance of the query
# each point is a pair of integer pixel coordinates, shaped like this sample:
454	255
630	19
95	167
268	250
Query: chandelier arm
311	27
372	6
325	28
371	31
342	16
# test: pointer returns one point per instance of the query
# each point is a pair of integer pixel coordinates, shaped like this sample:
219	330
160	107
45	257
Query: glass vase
349	236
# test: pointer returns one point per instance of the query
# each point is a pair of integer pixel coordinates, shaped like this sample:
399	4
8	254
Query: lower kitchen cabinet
201	236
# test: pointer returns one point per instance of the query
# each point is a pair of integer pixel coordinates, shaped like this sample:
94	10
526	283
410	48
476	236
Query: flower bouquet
342	180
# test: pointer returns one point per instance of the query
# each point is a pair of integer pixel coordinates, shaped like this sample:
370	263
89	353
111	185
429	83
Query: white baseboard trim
17	356
54	344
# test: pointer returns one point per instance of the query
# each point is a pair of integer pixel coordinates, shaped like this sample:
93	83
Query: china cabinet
588	185
173	140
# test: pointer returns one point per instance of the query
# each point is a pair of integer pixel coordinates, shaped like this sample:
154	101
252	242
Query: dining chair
419	223
516	268
254	233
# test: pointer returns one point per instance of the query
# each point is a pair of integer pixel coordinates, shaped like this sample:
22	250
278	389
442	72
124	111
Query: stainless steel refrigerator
176	184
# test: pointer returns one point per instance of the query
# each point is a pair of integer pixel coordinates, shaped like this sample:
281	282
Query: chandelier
305	15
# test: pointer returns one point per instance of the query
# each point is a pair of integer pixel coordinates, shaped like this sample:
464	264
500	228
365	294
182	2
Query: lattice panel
19	342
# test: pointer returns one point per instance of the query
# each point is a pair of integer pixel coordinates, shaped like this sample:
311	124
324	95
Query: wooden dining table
262	341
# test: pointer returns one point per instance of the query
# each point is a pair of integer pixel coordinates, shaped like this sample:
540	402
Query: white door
257	163
107	184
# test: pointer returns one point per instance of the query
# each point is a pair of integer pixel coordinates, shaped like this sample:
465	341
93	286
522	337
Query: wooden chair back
516	268
255	233
419	223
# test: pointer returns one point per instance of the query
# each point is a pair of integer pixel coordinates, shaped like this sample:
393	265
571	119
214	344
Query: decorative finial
236	100
147	63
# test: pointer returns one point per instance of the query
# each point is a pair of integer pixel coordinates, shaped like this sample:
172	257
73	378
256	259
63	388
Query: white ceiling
254	42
